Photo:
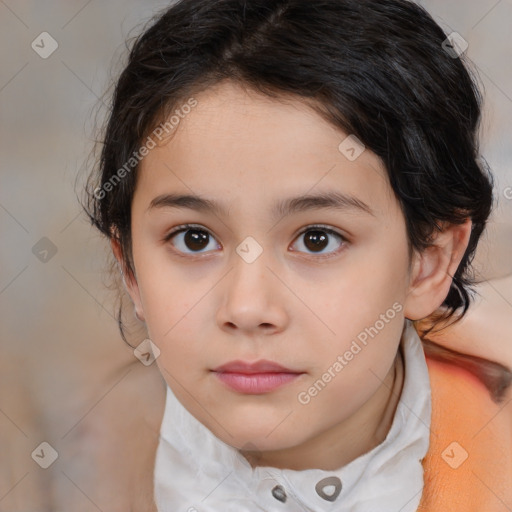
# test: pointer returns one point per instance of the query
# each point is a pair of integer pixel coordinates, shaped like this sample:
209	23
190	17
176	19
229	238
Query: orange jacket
468	467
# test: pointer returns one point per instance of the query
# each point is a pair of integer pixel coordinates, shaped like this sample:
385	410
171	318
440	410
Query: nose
254	299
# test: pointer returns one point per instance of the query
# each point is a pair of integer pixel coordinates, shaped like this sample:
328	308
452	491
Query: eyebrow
326	200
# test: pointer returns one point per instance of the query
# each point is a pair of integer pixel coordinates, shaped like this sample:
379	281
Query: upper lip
261	366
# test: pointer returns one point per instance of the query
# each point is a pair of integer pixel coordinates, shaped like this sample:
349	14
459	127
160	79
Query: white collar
197	472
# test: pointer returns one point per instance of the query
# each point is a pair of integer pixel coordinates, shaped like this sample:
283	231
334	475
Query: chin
252	440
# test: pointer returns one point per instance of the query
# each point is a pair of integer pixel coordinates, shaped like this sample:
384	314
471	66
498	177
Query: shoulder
470	433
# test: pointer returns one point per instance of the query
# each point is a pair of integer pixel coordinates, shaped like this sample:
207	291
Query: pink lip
255	378
262	366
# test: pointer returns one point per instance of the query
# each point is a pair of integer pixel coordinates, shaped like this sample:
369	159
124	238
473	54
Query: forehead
244	148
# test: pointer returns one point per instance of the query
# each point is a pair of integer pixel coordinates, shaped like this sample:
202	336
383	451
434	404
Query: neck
336	447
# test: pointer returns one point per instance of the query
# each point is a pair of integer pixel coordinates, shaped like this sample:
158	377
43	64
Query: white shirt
197	472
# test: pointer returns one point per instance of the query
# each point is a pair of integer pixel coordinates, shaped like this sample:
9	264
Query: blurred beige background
66	378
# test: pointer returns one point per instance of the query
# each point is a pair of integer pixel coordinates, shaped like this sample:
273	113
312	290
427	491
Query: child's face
302	302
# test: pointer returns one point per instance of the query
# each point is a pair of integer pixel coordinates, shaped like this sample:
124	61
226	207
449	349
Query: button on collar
328	488
279	493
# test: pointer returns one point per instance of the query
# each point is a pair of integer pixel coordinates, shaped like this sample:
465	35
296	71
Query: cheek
363	310
166	293
168	306
361	289
178	313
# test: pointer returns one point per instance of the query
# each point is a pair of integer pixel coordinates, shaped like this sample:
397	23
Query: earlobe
433	270
129	279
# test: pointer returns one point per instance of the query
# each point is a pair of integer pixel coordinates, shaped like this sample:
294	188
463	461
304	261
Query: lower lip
256	383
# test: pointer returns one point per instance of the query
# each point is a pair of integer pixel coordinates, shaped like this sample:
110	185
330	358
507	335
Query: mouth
255	378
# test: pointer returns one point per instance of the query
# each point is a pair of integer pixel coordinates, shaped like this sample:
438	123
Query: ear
129	279
433	270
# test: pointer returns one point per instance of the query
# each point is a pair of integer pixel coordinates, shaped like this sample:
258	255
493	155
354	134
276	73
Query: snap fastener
279	493
329	488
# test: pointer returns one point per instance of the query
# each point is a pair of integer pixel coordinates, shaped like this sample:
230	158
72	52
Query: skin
292	305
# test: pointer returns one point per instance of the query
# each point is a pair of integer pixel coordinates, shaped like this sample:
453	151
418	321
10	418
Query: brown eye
316	239
190	240
196	240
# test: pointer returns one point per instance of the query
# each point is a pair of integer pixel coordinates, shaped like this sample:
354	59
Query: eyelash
185	227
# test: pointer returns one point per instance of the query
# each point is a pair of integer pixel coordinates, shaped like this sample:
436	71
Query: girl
289	188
